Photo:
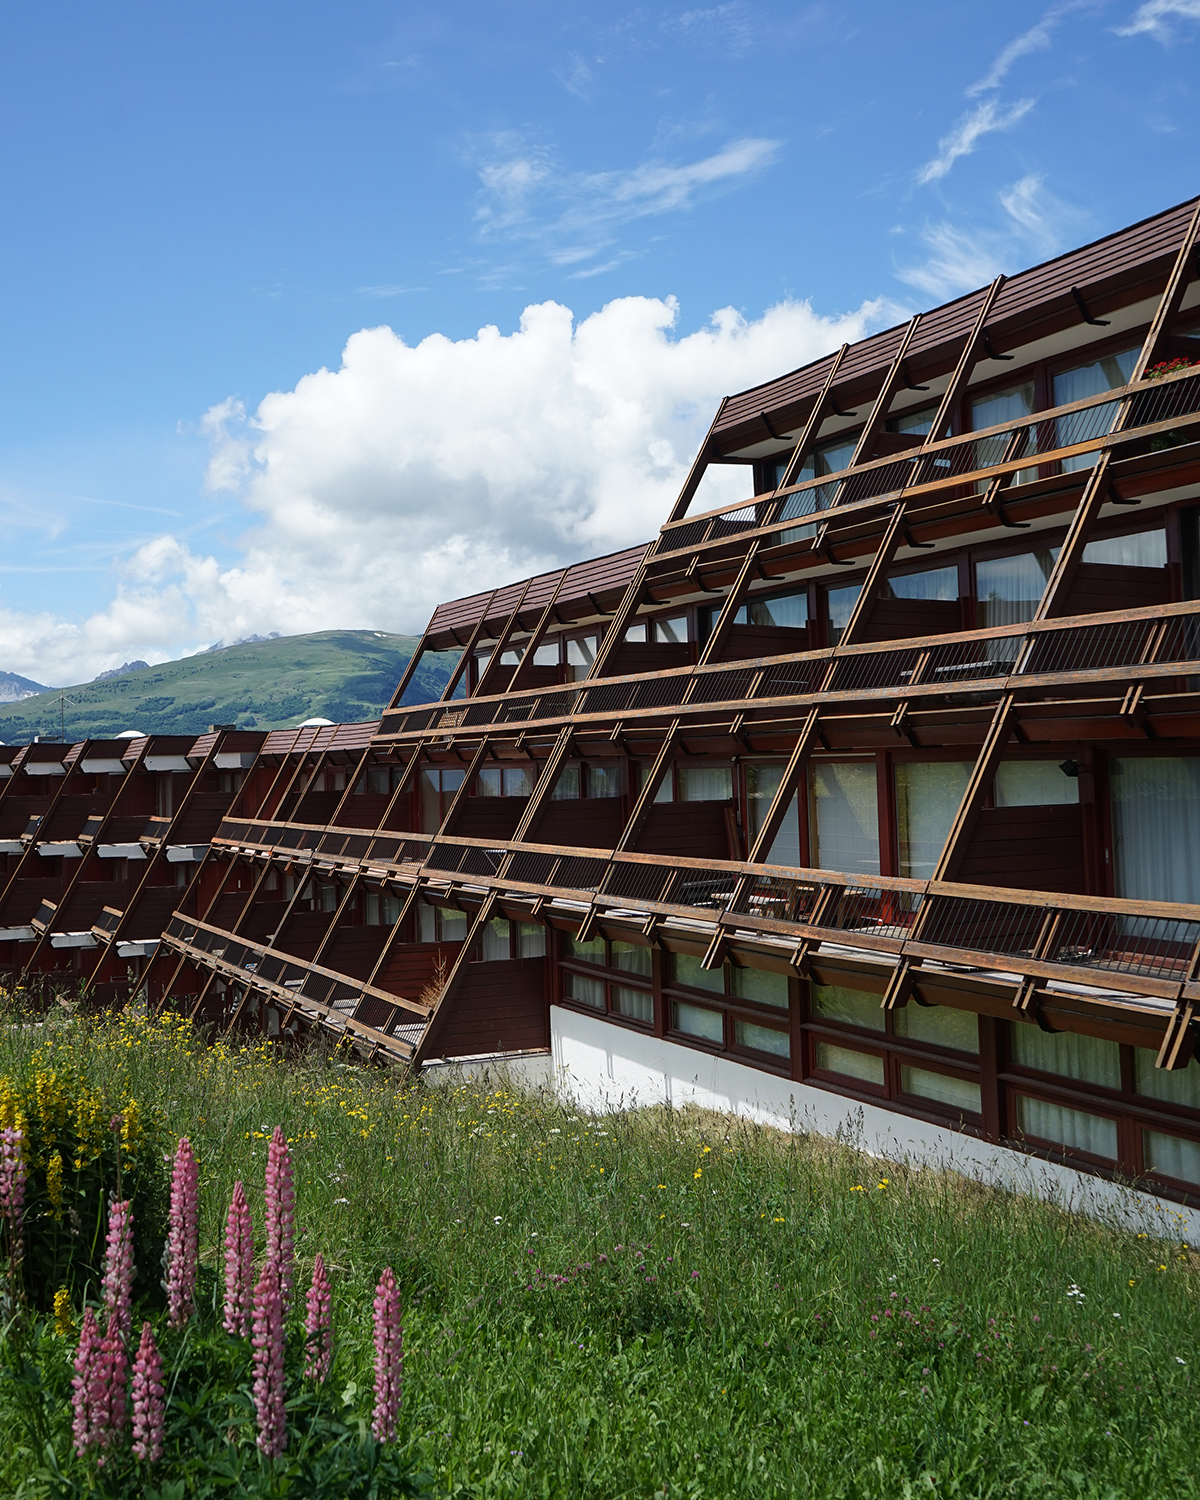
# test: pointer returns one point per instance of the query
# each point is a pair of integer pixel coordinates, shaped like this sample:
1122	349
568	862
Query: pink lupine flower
268	1362
13	1173
184	1236
239	1264
149	1413
84	1425
110	1373
389	1357
117	1287
317	1325
281	1212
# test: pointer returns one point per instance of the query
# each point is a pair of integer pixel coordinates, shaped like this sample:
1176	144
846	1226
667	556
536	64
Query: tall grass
655	1302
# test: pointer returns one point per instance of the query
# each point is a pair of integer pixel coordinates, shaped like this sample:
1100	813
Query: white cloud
1154	18
1036	39
1036	224
983	120
415	474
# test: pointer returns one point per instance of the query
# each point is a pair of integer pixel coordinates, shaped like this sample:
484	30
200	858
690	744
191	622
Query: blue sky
204	204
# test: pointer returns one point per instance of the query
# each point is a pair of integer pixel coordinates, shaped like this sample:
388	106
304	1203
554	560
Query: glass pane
517	782
705	783
936	583
696	1021
838	605
862	1065
1034	783
512	657
638	1005
832	1002
431	800
592	951
1004	406
452	780
940	1024
371	909
759	985
378	779
547	654
666	787
1170	1156
1156	827
845	831
1077	385
1141	549
566	788
1008	590
928	795
675	629
636	633
453	924
490	782
633	958
961	1093
391	910
585	990
786	611
1182	1086
830	458
1086	1058
762	782
919	421
604	779
494	944
426	923
763	1039
1067	1127
531	937
685	969
582	651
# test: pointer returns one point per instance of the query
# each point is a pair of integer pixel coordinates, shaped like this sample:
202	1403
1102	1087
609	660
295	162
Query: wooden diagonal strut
649	789
1066	564
539	632
889	544
733	602
887	390
482	917
543	785
990	755
966	363
464	660
492	670
1172	298
793	774
813	425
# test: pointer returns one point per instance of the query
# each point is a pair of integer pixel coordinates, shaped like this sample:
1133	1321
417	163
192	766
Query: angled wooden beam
457	971
1066	564
733	602
353	886
543	785
812	427
696	473
492	670
885	554
789	783
30	850
464	661
967	361
352	778
545	619
463	790
990	755
649	788
410	670
891	383
1171	300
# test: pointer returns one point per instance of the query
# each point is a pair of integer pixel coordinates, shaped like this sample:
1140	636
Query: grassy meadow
657	1303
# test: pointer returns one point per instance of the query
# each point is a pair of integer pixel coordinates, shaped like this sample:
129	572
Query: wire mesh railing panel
481	861
777	898
607	698
686	535
288	838
1153	947
444	857
554	705
637	882
385	849
271	968
1178	398
580	872
971	661
413	852
533	867
865	484
332	844
874	909
356	846
1009	931
706	889
793	679
660	692
718	687
515	711
734	522
418	721
874	669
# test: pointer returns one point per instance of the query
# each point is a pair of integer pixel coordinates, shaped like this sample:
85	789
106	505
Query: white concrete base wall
605	1067
522	1070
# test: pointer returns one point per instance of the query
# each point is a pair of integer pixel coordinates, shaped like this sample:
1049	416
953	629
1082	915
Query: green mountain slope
344	675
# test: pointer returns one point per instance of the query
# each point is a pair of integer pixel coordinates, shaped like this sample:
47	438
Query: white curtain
494	944
989	411
762	783
1034	783
1067	1127
845	817
934	583
1009	589
1156	827
1077	385
705	783
1085	1058
928	795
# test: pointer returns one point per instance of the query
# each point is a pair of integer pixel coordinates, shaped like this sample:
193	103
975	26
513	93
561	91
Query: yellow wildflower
132	1129
54	1183
64	1323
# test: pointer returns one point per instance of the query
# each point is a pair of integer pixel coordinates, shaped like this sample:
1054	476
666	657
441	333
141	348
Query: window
1034	783
632	957
504	781
698	1020
381	781
1085	1058
581	653
1171	1156
592	952
1156	827
942	1088
380	909
566	788
531	940
1009	589
637	633
928	795
762	986
865	1067
1061	1126
438	786
1138	549
604	778
674	630
547	654
623	999
638	1005
762	784
933	583
844	825
1077	385
584	990
829	458
705	783
164	794
941	1025
762	1038
440	924
666	787
495	941
782	611
916	422
851	1007
989	411
685	968
839	605
1181	1086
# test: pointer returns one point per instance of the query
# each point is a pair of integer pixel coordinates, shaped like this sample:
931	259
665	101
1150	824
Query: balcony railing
1139	645
1061	434
1142	949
